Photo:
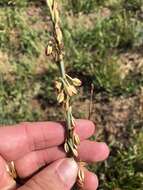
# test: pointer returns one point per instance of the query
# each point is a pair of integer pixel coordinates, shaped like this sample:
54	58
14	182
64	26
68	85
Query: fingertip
85	128
104	150
100	151
91	151
91	181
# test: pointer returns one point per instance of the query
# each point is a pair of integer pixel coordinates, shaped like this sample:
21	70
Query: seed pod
73	121
56	13
76	82
58	85
76	139
49	50
71	144
50	4
68	90
71	90
81	175
67	104
75	152
75	146
59	34
61	97
66	147
74	91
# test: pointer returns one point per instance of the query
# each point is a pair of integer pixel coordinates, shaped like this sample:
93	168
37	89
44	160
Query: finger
6	182
91	151
90	181
61	175
15	142
33	161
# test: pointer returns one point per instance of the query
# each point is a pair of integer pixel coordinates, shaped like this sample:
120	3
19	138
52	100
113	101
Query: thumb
61	175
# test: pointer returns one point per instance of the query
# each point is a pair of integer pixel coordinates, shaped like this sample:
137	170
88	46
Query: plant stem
67	90
62	68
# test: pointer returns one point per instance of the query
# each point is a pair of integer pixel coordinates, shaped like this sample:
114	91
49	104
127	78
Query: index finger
17	141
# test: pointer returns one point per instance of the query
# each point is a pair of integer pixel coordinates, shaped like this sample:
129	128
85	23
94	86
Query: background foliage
103	45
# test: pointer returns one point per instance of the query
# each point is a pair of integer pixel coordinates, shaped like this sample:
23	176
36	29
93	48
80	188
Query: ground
103	47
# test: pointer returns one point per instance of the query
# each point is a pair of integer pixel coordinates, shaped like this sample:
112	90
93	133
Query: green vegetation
103	45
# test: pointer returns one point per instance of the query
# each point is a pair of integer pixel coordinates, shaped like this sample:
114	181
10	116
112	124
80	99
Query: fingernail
67	171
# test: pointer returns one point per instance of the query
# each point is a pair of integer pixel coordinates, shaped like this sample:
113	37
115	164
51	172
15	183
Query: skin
33	146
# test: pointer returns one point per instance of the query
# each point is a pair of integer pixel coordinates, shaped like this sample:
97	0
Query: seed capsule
58	34
58	85
81	175
69	90
76	82
75	152
66	147
73	89
75	146
60	97
49	50
73	121
76	139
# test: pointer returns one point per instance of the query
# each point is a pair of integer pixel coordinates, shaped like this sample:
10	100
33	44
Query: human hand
32	146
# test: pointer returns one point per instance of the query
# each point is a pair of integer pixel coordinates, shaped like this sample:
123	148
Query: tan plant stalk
66	87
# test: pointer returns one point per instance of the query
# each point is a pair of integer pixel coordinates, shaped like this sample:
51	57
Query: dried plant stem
66	87
91	101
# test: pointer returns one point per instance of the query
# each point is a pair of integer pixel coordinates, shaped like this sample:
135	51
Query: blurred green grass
96	33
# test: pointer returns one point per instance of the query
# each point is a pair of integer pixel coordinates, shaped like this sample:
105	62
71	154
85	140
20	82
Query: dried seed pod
68	90
66	147
56	12
76	139
49	50
59	35
58	85
71	144
76	82
81	175
50	4
73	121
61	97
73	89
67	104
75	146
75	152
